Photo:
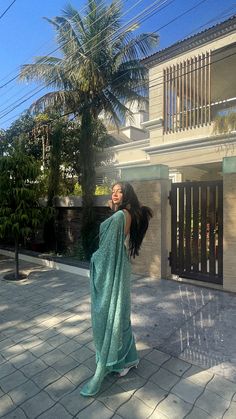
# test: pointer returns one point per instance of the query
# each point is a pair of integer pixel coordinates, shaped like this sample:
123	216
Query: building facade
190	124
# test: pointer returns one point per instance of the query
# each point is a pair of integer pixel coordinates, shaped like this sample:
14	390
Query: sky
24	34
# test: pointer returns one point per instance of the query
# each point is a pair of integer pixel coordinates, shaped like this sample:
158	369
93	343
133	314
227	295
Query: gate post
152	185
229	223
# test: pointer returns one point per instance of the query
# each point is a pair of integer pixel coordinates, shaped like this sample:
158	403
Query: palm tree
100	70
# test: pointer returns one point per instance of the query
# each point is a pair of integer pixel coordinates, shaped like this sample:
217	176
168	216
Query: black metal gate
197	230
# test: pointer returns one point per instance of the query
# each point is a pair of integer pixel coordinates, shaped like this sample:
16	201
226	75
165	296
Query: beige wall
153	258
194	156
229	261
156	99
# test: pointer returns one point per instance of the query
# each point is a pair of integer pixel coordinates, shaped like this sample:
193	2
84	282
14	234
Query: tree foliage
20	213
99	70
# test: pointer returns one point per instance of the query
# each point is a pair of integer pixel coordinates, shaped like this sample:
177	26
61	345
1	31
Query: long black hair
140	217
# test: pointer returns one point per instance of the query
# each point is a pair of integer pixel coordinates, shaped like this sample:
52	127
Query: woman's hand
111	205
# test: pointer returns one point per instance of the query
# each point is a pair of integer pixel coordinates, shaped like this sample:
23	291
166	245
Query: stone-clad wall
68	225
152	187
153	257
229	202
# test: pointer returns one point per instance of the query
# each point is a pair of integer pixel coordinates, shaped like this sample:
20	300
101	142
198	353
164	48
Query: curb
48	263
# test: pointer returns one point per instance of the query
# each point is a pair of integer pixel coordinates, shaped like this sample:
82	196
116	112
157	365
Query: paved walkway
186	336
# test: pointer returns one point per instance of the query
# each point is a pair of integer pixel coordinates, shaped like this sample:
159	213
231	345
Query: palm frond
72	15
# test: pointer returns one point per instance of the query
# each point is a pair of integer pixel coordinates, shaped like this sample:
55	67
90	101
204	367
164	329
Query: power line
3	14
56	49
137	85
118	33
67	42
154	85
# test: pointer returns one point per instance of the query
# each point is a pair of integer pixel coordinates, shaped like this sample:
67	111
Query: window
187	94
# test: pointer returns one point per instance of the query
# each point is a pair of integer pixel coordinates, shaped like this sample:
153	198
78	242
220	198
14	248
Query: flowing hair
140	217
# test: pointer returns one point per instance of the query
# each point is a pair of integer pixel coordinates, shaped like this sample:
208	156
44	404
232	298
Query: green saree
110	303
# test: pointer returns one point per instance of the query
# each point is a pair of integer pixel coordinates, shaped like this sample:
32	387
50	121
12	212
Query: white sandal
126	370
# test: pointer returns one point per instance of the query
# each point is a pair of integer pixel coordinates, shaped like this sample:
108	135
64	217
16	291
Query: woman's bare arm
128	220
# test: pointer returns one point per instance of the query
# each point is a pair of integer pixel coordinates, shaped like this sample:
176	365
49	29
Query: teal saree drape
110	303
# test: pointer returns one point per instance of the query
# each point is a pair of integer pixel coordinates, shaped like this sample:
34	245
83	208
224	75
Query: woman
110	286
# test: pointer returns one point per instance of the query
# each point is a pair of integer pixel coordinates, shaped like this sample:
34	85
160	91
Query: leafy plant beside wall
225	123
20	212
100	190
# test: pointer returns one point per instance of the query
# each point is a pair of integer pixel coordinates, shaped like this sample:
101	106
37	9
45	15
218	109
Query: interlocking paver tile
212	403
187	390
157	357
23	359
164	379
222	387
197	413
82	354
131	382
19	337
114	396
6	343
6	405
72	331
174	407
198	375
78	374
62	315
95	410
59	388
151	394
2	359
34	368
146	368
143	348
37	404
91	346
57	340
65	365
69	346
41	349
23	392
47	334
46	377
84	338
177	366
15	414
91	363
13	380
53	356
6	369
231	412
50	322
31	342
134	408
74	402
56	412
158	415
12	351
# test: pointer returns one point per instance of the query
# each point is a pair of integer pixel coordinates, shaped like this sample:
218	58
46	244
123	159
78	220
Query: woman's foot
93	385
126	370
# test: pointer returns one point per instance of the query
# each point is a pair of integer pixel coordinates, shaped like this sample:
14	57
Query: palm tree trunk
16	258
88	184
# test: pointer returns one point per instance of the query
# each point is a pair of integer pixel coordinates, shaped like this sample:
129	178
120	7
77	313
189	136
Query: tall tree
100	70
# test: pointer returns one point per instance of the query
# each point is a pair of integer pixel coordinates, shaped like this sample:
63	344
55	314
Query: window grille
187	94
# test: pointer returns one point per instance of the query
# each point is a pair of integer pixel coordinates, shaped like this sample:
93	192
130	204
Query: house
192	106
191	126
